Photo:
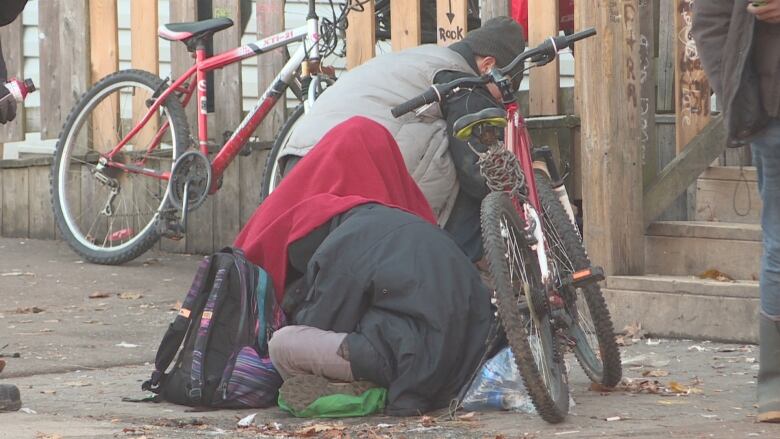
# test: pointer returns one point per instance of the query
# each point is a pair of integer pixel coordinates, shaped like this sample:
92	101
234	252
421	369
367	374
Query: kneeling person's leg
304	350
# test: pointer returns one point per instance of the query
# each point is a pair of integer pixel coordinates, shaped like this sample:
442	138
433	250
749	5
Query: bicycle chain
501	169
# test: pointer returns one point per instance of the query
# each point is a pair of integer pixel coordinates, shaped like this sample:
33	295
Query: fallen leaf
316	429
470	416
2	365
634	330
597	387
98	295
29	310
676	387
655	373
151	261
129	295
427	421
716	275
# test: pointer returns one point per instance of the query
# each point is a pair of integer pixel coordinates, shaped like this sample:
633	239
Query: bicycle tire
561	236
71	138
500	223
271	171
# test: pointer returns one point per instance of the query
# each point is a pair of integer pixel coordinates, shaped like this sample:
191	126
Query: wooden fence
643	63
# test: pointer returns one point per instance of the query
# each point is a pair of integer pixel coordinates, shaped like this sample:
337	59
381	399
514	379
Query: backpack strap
215	299
174	336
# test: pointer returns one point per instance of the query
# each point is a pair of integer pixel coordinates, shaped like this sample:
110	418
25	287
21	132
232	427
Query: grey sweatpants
297	350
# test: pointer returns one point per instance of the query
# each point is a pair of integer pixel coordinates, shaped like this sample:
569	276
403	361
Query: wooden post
181	60
228	117
145	56
11	36
666	39
451	21
64	62
270	20
494	8
609	90
103	34
544	81
648	94
361	35
405	22
692	90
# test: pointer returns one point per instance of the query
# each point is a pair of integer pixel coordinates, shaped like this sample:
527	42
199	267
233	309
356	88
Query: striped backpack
222	328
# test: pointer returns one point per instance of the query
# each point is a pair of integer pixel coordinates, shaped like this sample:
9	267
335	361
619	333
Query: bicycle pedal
583	278
174	231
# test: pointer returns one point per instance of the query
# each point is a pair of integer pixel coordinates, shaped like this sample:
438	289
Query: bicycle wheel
272	173
105	214
523	307
595	345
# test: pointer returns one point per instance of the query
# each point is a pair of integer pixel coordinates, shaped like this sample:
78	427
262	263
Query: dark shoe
769	370
10	401
300	391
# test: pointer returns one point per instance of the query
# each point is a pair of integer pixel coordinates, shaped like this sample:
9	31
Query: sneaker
10	400
300	391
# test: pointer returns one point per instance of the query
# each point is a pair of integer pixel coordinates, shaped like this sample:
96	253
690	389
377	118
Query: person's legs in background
766	158
303	350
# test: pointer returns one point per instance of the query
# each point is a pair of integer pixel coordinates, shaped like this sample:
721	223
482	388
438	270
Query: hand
769	12
7	105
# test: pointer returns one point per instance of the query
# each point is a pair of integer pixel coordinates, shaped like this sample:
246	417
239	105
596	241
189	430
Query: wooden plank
683	171
648	92
103	33
11	37
692	96
451	21
665	63
405	22
270	20
227	118
361	35
494	8
181	60
64	51
145	55
16	201
41	216
611	147
544	81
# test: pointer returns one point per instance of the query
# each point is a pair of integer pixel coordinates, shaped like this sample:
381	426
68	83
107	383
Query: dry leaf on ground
655	373
29	310
427	421
676	387
317	429
98	295
2	365
470	416
130	295
715	274
634	330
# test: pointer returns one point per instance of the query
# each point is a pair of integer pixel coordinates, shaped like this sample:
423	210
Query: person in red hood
372	289
565	15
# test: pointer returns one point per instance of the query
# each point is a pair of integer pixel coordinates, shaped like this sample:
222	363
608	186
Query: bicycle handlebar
541	55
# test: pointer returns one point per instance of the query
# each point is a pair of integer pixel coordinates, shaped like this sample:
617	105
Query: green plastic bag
341	405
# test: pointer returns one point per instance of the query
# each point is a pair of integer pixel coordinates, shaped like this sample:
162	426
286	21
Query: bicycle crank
190	181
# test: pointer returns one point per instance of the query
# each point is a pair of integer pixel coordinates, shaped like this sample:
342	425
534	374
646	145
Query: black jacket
9	10
414	306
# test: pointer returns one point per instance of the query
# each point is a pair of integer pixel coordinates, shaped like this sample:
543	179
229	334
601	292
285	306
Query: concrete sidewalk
78	356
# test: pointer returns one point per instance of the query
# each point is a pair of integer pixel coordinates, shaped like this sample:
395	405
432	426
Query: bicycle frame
518	141
308	35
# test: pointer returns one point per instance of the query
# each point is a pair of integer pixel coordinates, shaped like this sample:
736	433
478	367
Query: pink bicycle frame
518	141
307	34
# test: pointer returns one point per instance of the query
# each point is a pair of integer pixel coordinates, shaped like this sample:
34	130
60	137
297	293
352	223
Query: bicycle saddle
463	127
197	29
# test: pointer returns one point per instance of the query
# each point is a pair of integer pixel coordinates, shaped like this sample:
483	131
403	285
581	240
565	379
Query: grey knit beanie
500	37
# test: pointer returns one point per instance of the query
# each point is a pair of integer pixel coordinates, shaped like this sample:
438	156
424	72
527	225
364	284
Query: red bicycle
126	171
546	289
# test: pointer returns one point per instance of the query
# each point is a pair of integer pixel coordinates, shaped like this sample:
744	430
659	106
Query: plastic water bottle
20	89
